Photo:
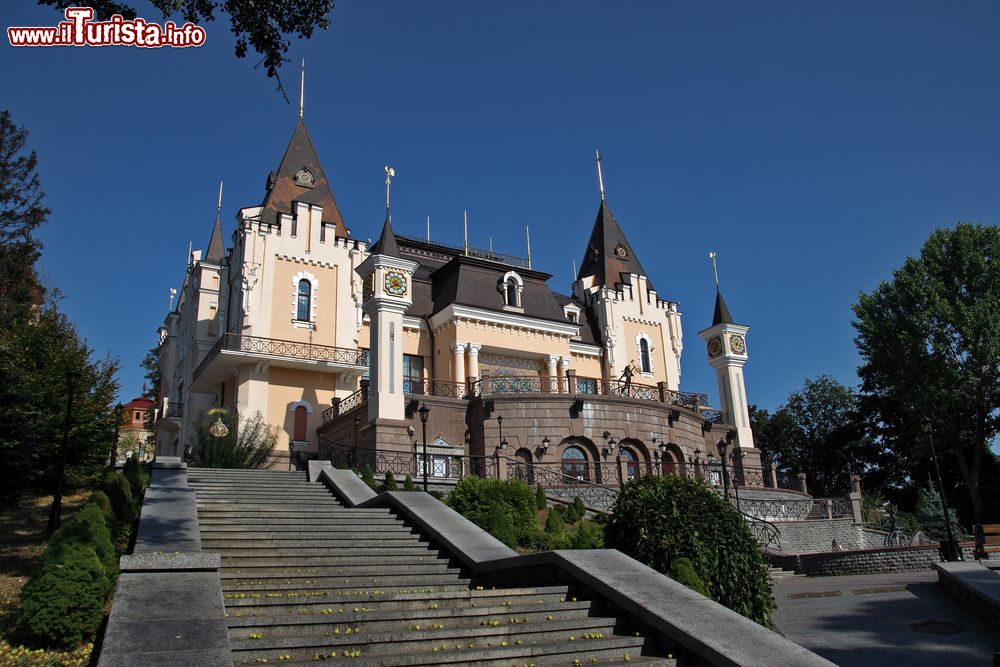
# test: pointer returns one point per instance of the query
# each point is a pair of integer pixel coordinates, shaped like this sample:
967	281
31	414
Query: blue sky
813	146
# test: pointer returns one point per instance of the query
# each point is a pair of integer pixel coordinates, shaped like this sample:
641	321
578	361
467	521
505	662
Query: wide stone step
405	575
593	658
344	610
275	494
334	541
241	560
236	512
227	531
263	498
384	593
455	652
235	517
375	599
274	550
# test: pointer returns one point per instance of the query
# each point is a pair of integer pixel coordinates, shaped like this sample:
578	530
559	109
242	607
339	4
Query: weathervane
600	175
390	173
715	268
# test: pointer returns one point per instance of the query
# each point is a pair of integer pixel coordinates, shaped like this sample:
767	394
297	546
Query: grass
22	541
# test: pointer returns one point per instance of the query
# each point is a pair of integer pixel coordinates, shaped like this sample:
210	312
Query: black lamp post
503	443
354	449
951	551
736	478
725	470
114	443
72	377
424	413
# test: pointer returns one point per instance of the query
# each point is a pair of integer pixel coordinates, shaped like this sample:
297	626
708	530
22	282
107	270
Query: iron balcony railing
787	509
282	348
533	384
347	404
173	410
439	466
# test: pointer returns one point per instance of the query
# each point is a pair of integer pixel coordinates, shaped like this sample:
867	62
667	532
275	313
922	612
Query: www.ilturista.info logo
79	29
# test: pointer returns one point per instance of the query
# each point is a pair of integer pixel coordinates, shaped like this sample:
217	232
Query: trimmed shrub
498	525
63	602
562	509
579	509
540	500
682	571
368	477
554	524
390	482
408	484
476	498
588	535
100	499
657	520
88	527
120	494
137	479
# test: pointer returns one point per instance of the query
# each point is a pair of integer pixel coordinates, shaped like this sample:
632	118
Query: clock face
737	344
368	289
395	283
714	346
621	251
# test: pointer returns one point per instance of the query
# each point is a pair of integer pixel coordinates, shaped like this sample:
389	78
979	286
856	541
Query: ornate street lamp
424	413
951	551
723	445
503	443
55	514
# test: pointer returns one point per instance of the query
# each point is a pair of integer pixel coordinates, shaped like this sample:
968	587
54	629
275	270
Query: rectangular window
295	225
322	232
413	374
586	386
366	361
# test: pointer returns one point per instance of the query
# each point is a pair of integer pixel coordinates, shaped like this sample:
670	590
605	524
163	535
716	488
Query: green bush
100	499
368	477
588	535
63	602
562	509
498	525
657	520
88	527
475	499
120	494
554	524
408	484
682	571
579	509
390	482
137	479
540	500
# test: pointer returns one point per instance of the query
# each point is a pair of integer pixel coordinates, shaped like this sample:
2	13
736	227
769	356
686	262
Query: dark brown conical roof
216	246
286	187
386	244
721	311
609	253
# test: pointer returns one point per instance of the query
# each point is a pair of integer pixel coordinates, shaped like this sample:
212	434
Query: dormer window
512	287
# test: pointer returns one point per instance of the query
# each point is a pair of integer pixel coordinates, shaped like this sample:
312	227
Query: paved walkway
882	620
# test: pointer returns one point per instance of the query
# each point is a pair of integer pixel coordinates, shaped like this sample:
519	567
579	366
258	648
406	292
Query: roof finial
465	223
527	234
574	269
302	89
389	174
428	229
715	268
218	211
600	175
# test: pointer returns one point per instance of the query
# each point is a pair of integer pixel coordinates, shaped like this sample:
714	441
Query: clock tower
727	352
387	294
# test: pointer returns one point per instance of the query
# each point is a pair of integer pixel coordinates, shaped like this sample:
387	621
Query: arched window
512	292
299	424
574	464
644	355
304	298
631	463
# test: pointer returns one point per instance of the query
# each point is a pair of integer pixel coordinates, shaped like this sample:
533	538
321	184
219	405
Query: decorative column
473	370
564	363
553	382
459	370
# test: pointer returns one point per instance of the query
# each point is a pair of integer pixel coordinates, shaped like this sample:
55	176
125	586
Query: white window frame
313	290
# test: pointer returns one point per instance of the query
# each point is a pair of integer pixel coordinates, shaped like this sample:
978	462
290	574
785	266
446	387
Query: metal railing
766	534
439	388
685	399
564	486
490	255
345	405
714	416
440	466
173	410
797	510
282	348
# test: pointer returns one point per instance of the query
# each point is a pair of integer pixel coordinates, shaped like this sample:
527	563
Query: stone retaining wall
865	561
817	536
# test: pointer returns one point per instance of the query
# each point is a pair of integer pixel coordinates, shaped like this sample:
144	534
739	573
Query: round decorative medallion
304	177
621	251
714	346
395	283
737	344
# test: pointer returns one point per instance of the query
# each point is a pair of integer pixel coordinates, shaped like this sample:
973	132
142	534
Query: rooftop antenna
465	222
173	293
428	229
600	174
527	234
302	89
491	245
189	253
389	174
715	268
574	269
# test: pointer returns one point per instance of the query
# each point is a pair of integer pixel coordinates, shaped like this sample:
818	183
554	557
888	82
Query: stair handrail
765	533
597	497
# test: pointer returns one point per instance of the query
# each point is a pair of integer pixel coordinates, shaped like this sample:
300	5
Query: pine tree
930	514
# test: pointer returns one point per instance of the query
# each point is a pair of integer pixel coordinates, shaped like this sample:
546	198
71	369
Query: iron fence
439	466
282	348
797	509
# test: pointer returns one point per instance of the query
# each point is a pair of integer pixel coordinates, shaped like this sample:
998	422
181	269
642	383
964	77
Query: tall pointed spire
216	246
386	244
609	254
600	174
721	315
302	90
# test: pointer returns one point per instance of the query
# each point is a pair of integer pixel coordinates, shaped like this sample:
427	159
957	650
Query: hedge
119	492
476	498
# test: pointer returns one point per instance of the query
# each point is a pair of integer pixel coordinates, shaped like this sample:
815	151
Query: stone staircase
308	579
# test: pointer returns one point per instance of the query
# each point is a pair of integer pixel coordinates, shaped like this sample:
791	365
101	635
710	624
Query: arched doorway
522	469
574	464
